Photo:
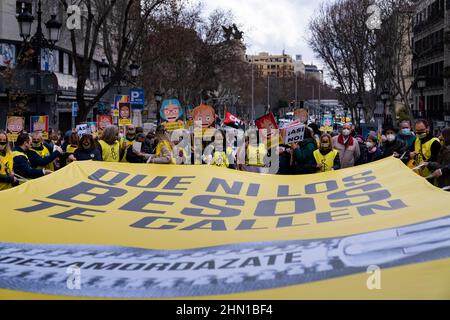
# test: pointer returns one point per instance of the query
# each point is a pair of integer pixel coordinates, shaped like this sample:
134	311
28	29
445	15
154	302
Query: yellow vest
110	153
423	154
220	159
19	154
159	147
326	161
70	150
44	153
255	155
129	143
6	167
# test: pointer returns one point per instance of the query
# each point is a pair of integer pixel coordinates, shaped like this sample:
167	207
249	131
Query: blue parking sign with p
137	97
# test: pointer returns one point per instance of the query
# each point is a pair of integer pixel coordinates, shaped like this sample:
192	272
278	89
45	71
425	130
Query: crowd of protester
32	157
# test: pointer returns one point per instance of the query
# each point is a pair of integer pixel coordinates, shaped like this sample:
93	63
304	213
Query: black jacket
389	148
84	155
38	161
132	157
22	167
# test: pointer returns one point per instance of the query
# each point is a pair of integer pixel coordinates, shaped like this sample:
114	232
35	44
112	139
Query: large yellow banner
104	230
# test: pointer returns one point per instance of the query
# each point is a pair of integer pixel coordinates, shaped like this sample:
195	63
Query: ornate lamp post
38	41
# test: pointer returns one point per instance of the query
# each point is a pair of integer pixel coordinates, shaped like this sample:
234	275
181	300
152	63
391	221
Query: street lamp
25	20
134	69
53	29
158	99
38	41
385	97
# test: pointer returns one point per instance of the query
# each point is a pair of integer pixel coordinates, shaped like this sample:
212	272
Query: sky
272	25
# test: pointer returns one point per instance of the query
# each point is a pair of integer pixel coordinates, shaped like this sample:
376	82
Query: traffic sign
137	97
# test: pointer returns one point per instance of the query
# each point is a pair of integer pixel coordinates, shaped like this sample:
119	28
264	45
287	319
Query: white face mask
390	137
369	145
346	132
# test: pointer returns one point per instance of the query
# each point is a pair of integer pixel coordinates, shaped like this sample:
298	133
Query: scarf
341	140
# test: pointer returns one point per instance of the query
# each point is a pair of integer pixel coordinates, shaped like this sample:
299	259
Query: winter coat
443	162
397	145
349	152
305	162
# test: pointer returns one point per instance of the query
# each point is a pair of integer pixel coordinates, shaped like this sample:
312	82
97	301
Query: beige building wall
280	66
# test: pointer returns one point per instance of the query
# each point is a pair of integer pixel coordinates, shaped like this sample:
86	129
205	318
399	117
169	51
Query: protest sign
294	133
172	115
14	127
124	114
39	124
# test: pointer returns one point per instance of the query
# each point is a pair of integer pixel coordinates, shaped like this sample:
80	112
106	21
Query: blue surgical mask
406	132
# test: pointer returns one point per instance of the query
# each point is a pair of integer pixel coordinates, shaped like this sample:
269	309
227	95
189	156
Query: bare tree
116	26
362	61
186	54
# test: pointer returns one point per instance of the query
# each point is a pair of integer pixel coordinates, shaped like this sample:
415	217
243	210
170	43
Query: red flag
233	121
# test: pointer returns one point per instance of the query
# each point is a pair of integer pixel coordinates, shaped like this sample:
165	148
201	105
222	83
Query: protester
74	142
86	150
40	155
149	146
362	151
127	141
425	149
304	162
285	155
164	148
7	178
373	151
393	145
22	165
440	168
137	156
110	145
347	146
326	157
406	134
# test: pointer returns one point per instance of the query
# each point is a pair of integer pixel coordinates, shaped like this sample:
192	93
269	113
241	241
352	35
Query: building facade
279	66
431	61
313	72
58	74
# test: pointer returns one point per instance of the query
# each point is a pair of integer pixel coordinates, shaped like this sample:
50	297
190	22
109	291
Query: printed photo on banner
103	122
7	55
267	123
206	115
327	124
14	127
124	113
301	115
118	98
172	115
39	124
